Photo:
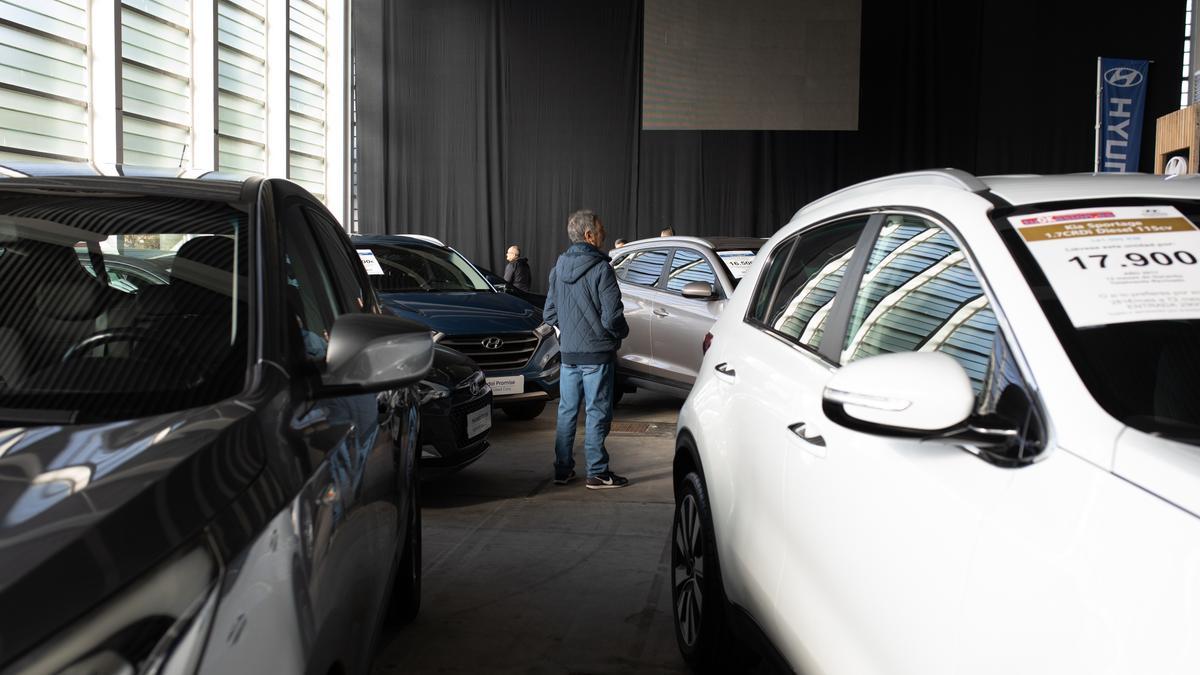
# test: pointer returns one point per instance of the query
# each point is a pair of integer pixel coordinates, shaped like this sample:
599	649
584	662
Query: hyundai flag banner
1122	103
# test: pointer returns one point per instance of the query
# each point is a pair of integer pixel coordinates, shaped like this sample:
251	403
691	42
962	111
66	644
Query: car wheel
406	591
697	595
523	411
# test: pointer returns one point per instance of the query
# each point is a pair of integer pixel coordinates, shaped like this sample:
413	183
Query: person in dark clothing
517	272
584	303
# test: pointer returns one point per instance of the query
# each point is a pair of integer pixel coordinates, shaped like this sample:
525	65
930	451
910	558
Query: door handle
661	312
724	369
800	428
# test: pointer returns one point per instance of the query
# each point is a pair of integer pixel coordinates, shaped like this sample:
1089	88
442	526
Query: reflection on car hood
85	509
466	312
450	367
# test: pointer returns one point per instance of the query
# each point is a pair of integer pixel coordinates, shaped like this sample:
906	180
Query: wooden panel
1175	132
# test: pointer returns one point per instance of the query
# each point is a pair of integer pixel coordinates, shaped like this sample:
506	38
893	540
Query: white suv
949	424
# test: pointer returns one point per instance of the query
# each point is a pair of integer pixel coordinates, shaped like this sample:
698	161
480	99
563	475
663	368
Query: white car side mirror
902	394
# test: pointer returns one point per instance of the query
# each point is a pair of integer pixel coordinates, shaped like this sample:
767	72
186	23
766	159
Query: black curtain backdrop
486	122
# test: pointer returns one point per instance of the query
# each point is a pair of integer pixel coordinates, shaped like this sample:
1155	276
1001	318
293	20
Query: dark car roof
394	240
123	179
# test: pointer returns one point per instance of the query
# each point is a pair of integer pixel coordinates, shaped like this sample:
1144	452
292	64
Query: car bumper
444	443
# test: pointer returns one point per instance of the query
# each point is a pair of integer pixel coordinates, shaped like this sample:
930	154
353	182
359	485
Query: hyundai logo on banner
1122	105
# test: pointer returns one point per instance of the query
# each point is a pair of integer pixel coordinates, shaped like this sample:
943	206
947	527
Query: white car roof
1021	190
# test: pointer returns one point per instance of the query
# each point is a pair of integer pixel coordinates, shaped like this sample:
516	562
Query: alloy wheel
687	569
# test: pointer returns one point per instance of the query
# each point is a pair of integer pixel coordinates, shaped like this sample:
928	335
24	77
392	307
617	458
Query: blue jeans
591	385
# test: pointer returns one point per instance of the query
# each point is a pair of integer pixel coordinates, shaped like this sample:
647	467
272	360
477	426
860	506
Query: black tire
523	411
697	595
406	588
618	394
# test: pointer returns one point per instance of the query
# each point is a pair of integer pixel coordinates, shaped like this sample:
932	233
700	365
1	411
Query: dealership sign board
1120	109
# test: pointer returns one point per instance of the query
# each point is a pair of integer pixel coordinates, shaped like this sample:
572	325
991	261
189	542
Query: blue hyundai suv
418	277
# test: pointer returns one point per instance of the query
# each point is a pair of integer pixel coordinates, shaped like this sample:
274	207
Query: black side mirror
371	352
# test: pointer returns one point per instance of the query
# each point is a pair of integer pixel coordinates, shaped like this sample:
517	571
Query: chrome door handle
724	369
659	312
799	428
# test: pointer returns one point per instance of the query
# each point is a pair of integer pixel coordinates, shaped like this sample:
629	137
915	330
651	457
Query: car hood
85	509
1161	466
465	312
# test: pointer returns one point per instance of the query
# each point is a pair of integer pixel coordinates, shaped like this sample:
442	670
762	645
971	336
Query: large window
156	69
242	85
43	80
306	94
643	268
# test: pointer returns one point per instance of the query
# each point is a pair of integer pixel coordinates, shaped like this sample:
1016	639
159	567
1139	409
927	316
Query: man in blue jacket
584	303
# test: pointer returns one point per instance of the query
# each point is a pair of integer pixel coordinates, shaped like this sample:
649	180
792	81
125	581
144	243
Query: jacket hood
465	312
577	260
85	509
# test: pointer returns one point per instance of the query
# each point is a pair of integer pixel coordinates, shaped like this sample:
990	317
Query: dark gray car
212	471
674	288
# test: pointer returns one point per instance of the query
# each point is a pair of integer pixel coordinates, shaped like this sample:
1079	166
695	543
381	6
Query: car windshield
422	269
1120	283
118	307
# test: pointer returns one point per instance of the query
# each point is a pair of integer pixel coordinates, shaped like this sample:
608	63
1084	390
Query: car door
882	530
679	324
350	538
771	369
637	274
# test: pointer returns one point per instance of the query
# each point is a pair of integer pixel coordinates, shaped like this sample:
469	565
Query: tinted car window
97	349
312	300
768	282
920	294
354	296
688	266
810	280
643	267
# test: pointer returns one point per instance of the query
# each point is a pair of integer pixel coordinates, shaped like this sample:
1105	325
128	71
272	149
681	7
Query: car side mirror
699	290
372	352
907	394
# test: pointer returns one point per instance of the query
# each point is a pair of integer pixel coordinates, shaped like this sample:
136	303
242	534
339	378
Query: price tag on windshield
738	262
370	262
1119	264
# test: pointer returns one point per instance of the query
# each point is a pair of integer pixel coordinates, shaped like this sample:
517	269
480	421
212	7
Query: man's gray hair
580	223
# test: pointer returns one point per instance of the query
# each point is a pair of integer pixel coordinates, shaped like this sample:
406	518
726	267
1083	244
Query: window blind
306	94
43	80
156	82
242	85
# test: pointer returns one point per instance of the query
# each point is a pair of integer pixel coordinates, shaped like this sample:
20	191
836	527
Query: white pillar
277	88
104	70
204	85
337	88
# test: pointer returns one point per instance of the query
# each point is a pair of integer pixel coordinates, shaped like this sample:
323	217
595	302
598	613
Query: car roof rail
426	238
673	239
953	178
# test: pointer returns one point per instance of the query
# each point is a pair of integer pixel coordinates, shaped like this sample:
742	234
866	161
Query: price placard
1119	264
370	262
738	262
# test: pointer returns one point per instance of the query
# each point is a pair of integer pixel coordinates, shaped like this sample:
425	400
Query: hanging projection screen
751	64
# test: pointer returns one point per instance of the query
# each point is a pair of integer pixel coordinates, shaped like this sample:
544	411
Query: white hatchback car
949	424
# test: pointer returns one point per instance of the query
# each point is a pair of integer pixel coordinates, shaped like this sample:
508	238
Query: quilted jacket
584	302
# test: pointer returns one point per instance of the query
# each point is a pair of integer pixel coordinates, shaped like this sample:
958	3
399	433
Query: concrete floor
524	576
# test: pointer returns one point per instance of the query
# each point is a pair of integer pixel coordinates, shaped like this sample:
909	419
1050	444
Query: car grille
514	351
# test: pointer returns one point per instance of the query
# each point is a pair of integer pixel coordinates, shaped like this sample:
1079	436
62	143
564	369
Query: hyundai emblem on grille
492	343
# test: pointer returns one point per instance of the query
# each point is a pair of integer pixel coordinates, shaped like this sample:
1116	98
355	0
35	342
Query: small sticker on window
370	262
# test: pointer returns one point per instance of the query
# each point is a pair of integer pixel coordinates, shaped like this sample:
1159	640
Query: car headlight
431	391
157	626
543	330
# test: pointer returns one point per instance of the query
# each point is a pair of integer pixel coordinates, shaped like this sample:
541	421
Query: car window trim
1002	321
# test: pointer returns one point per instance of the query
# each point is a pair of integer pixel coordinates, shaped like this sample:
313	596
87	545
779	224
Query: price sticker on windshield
1119	264
738	262
370	262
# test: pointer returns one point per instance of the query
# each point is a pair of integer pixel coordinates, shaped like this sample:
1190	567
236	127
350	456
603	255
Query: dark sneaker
563	479
606	480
